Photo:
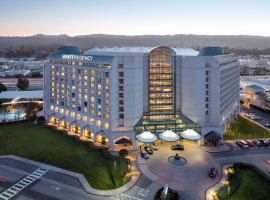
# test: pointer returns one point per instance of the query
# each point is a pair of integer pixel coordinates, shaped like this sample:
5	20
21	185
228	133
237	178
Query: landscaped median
243	181
48	145
243	128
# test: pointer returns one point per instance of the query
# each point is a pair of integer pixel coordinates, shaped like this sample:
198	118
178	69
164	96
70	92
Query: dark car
257	143
212	172
267	125
148	150
264	142
177	147
144	155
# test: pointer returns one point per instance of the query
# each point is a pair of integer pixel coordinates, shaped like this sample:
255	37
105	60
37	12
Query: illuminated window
85	118
72	114
51	107
98	123
106	125
78	117
92	120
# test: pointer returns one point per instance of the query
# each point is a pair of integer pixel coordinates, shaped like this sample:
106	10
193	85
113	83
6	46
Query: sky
134	17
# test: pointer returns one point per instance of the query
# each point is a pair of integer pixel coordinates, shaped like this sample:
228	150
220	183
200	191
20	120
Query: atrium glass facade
161	113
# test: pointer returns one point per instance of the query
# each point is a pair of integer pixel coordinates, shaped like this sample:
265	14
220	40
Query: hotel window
121	109
120	66
121	116
106	125
61	110
98	123
78	117
72	114
121	74
51	107
121	81
121	88
84	118
121	102
121	95
91	120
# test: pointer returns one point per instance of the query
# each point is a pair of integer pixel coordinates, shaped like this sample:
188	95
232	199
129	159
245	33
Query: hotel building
110	95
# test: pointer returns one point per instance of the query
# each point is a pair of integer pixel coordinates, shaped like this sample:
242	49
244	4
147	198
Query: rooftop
178	50
35	94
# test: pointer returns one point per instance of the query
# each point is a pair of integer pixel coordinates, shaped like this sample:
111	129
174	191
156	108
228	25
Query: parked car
3	179
177	147
267	125
144	155
256	117
257	143
212	172
242	145
250	143
153	147
265	143
148	150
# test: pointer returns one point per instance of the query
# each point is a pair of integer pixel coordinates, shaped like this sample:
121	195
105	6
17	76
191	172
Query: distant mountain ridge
102	40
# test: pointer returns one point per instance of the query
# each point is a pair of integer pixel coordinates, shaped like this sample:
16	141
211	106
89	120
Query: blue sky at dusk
134	17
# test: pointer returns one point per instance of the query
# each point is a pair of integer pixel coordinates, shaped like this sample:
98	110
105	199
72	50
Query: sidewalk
211	192
218	149
82	179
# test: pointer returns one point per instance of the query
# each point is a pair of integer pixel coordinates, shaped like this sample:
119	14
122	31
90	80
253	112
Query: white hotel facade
110	95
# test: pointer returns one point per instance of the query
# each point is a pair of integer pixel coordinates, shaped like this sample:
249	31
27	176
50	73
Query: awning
212	136
190	134
147	137
123	140
169	136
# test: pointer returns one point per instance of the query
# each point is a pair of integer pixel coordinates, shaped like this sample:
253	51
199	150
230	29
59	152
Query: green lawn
252	187
242	128
47	145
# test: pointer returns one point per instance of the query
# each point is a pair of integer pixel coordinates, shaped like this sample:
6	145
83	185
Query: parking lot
234	146
257	115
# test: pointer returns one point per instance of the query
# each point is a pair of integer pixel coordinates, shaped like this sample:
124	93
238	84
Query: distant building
109	94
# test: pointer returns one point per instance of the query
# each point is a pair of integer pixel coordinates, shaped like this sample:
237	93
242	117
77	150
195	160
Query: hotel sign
77	57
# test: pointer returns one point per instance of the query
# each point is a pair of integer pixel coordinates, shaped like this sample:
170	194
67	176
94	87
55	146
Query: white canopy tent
190	134
169	136
147	137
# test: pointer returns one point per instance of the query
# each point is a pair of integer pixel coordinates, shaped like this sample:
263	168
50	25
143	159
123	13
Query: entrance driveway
190	180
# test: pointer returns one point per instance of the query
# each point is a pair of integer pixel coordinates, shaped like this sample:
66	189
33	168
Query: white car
154	147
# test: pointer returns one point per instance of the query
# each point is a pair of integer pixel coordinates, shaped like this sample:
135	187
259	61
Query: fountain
166	193
177	160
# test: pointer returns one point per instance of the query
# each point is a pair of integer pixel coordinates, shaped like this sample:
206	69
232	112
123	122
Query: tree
31	111
2	87
22	83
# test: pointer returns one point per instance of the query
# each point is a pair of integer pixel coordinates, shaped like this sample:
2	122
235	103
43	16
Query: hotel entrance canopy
169	136
147	137
190	134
